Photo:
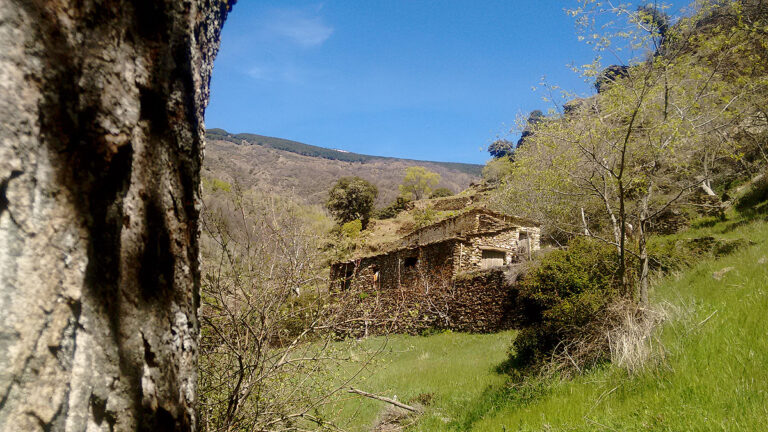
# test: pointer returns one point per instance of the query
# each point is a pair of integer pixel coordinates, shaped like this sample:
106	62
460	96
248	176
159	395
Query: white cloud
277	73
302	27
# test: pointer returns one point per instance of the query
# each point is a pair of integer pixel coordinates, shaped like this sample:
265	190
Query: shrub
352	229
392	210
755	197
669	254
424	217
214	184
563	297
441	193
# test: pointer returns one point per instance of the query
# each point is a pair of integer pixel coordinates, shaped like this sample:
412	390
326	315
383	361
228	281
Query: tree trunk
100	151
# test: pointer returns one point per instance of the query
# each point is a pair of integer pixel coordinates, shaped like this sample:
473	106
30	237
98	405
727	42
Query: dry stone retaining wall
482	302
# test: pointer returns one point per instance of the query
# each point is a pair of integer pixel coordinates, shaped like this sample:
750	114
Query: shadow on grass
521	389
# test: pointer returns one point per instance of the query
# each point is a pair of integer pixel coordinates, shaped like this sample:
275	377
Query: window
492	258
411	262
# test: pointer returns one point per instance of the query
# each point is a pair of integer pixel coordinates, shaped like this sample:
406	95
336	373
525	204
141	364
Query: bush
669	254
755	197
441	193
564	296
352	229
392	210
424	217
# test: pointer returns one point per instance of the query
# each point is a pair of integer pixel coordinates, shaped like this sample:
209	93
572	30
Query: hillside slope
711	377
308	172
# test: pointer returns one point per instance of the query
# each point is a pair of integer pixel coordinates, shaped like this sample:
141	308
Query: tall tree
100	152
418	182
352	198
618	160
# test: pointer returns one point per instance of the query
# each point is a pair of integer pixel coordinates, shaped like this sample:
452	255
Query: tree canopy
616	161
501	148
418	182
352	198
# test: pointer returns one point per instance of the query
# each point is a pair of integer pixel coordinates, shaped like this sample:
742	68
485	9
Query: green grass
455	369
714	376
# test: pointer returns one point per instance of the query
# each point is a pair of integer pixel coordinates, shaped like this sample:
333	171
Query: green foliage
756	194
424	217
418	182
352	198
564	293
392	210
214	184
497	169
675	253
352	229
501	148
441	193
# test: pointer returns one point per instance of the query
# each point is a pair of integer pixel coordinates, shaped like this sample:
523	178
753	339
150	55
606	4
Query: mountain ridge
324	152
307	173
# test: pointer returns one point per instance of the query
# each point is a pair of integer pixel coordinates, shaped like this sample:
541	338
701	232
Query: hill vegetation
322	152
307	172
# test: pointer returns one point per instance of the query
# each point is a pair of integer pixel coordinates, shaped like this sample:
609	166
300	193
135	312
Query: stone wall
398	268
468	254
451	203
448	228
480	302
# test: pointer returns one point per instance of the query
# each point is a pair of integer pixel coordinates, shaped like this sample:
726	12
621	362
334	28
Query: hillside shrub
441	192
352	229
755	195
424	217
392	210
562	298
668	254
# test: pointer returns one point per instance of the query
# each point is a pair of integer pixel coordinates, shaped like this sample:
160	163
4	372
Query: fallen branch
384	399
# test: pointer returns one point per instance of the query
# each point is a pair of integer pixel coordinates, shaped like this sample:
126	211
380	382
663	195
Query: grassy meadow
451	370
712	376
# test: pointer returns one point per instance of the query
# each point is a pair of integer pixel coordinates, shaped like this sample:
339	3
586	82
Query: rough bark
101	144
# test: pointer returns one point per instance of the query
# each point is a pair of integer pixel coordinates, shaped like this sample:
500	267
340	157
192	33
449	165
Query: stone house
474	240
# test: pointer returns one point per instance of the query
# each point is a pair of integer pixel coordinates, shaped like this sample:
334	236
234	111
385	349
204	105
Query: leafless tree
270	359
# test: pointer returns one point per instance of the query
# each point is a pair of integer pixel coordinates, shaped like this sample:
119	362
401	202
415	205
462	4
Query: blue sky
417	79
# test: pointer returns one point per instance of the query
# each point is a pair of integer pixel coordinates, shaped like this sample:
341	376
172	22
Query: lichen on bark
100	151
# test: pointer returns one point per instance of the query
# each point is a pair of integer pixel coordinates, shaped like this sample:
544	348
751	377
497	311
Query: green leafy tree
497	169
352	198
501	148
418	182
618	160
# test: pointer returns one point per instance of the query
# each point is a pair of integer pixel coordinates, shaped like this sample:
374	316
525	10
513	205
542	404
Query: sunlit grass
714	374
454	369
